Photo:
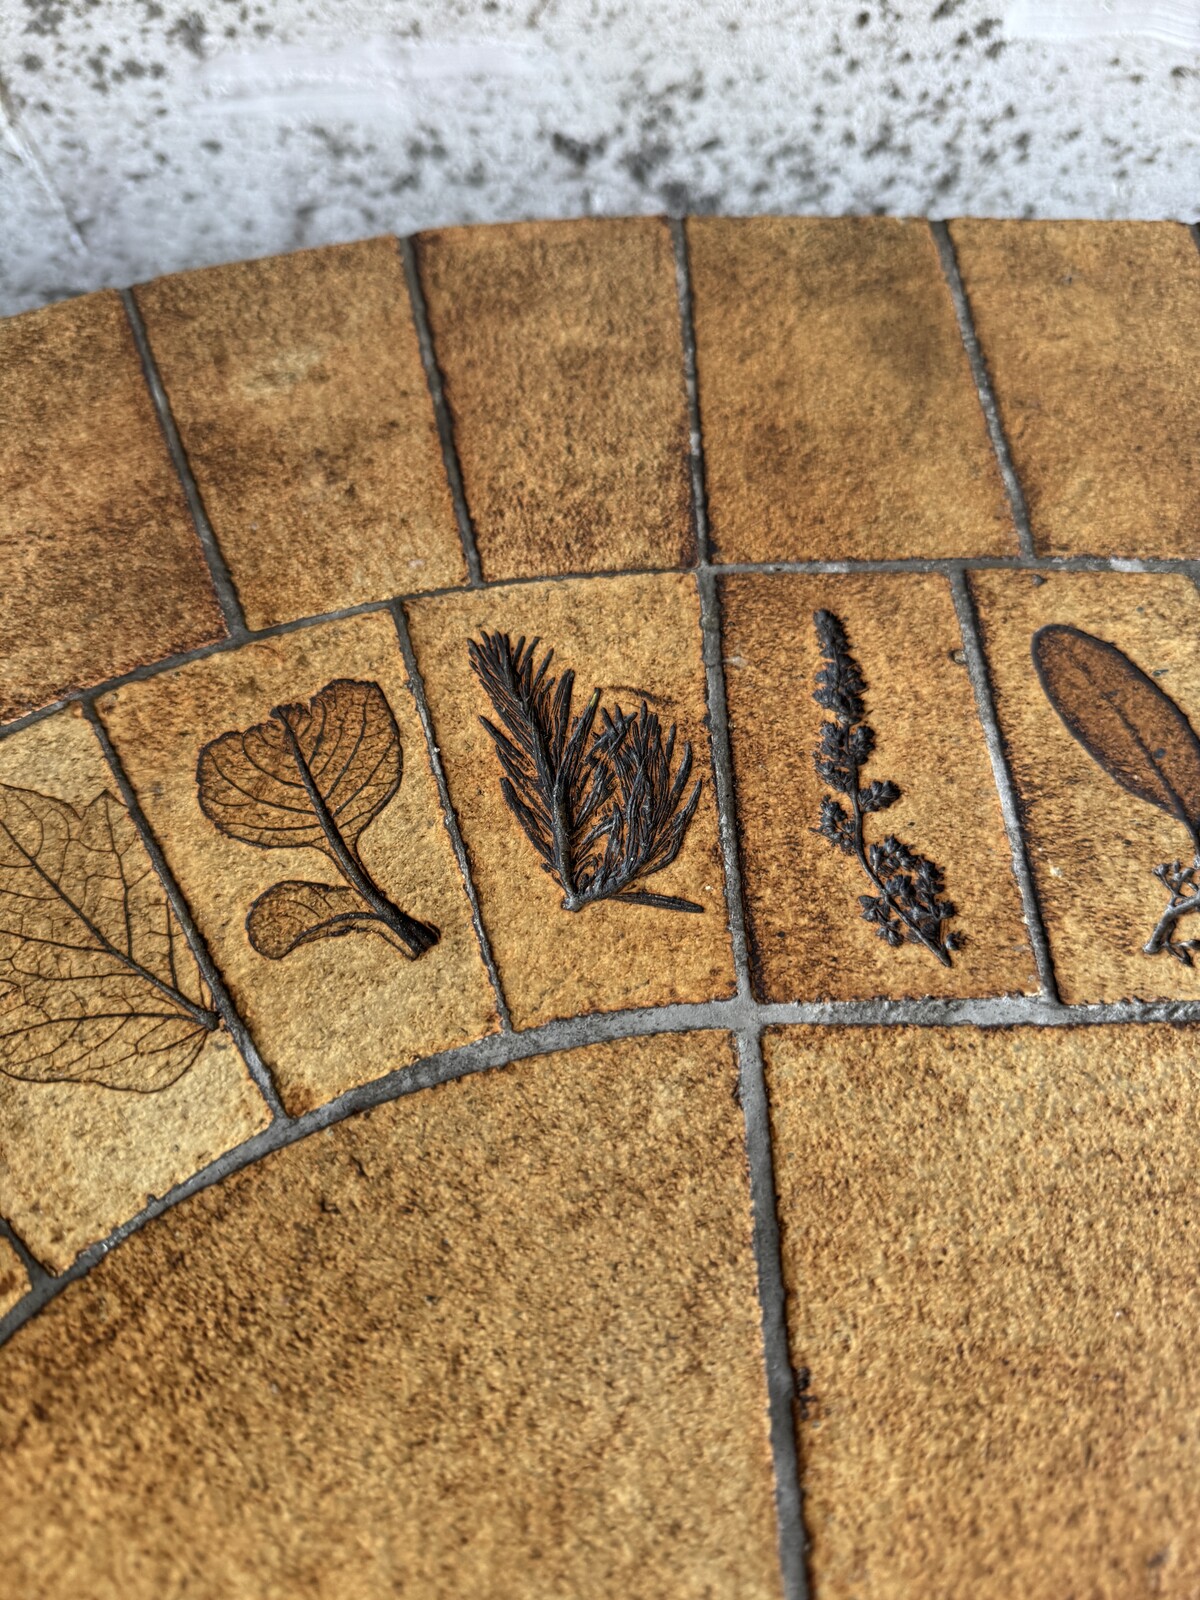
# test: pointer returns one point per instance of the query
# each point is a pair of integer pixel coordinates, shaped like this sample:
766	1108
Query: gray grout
983	384
221	997
985	709
449	817
683	289
441	411
222	582
772	1300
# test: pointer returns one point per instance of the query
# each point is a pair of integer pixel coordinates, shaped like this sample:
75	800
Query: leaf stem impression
604	806
907	906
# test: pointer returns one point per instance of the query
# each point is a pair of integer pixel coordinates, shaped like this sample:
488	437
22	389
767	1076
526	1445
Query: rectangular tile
92	516
299	393
14	1280
1089	330
634	638
562	354
989	1242
1093	844
808	936
312	937
112	1087
500	1338
840	416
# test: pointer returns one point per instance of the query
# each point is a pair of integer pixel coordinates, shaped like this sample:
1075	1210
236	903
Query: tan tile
1089	330
299	393
92	517
14	1280
1093	845
808	939
96	1122
562	355
336	1011
839	412
630	636
990	1245
500	1338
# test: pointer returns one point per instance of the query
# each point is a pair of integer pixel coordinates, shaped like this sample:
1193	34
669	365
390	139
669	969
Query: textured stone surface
808	939
1089	331
500	1338
338	1011
77	1159
561	349
1092	844
991	1246
839	412
300	397
80	552
14	1280
628	636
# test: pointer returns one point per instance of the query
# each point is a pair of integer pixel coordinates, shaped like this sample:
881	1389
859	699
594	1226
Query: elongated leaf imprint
97	984
1140	737
313	776
598	795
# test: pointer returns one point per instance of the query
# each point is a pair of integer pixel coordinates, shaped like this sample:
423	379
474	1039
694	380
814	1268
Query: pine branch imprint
97	983
907	906
313	776
595	794
1140	737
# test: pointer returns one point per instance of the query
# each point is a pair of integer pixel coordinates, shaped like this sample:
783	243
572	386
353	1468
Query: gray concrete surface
146	136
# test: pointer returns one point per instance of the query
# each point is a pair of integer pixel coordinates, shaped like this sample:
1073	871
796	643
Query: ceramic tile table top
298	390
498	1338
839	412
1089	330
82	546
992	1245
561	350
628	1029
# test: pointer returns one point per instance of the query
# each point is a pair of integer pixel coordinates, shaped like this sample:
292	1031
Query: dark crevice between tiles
221	997
683	286
441	411
450	820
985	707
39	1275
983	384
772	1304
222	582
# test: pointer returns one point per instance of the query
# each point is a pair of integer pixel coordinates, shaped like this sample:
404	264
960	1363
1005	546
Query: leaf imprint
313	776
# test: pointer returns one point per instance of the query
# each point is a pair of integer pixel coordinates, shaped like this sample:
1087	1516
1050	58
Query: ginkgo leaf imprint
313	777
97	984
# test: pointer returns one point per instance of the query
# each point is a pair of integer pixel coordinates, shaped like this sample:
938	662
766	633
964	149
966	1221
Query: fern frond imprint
599	795
907	906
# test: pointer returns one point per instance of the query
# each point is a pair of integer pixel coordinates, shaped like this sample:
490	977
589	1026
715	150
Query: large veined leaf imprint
97	984
314	777
1141	738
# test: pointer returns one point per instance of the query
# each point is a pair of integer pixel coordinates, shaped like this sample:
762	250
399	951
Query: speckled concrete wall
144	136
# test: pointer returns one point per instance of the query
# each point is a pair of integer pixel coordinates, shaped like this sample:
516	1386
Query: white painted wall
144	136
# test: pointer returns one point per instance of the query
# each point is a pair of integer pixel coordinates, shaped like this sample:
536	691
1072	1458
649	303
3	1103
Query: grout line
948	567
985	706
683	287
772	1301
499	1050
722	766
983	383
222	582
221	997
38	1274
449	816
441	411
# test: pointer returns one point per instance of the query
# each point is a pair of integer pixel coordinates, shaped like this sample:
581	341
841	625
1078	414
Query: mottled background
143	136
